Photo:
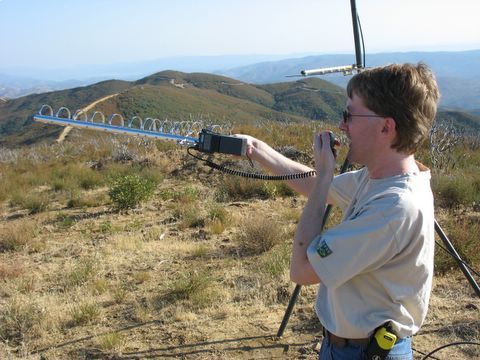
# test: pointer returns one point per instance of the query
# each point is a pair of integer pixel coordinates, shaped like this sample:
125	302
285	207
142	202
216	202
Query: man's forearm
309	226
278	164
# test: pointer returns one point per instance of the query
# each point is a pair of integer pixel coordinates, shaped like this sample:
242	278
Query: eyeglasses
347	116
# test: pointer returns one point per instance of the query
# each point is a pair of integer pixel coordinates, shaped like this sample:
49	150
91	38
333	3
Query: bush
74	176
260	235
128	191
65	221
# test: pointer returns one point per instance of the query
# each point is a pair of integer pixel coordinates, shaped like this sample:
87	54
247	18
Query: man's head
407	93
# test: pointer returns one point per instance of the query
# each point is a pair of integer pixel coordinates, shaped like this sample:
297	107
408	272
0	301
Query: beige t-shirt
377	265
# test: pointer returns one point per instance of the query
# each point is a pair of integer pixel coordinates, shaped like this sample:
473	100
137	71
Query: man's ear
389	125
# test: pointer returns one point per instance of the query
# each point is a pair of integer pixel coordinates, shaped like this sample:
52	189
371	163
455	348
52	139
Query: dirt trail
67	129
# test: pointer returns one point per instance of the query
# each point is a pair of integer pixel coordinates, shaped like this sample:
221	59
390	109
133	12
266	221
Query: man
375	268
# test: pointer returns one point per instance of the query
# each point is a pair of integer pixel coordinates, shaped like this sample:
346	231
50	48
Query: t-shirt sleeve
343	187
361	243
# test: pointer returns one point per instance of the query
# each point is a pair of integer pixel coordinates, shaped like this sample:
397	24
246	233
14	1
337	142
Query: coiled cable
251	175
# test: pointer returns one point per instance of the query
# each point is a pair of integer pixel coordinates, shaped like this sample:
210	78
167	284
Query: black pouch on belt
381	342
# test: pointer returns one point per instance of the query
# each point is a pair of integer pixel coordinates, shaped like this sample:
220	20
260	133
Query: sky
61	33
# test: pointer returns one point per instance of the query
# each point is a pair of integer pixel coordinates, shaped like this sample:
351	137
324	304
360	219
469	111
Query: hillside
221	84
176	95
16	124
181	96
313	98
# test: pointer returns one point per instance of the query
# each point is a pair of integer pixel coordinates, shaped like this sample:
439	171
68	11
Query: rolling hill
175	95
181	96
16	123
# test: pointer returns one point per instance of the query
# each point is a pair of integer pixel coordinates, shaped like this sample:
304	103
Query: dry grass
21	320
84	313
11	270
112	342
16	235
198	271
464	233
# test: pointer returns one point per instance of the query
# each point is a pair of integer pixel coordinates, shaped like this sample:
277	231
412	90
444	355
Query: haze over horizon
66	34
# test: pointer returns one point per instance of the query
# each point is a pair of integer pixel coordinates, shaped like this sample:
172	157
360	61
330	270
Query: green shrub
119	293
105	227
73	176
193	218
218	212
128	191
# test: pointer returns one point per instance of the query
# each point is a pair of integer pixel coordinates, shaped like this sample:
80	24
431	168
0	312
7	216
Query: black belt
340	342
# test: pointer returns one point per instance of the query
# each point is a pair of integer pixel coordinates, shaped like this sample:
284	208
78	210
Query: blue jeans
401	351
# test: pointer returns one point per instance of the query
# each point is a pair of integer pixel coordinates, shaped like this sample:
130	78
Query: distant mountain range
458	73
17	86
16	82
183	96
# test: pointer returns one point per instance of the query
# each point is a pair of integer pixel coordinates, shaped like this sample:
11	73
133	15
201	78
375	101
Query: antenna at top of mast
359	51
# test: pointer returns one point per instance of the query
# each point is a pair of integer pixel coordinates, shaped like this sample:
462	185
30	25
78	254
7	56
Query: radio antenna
359	51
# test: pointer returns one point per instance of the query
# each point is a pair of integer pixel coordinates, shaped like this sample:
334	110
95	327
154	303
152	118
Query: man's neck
391	164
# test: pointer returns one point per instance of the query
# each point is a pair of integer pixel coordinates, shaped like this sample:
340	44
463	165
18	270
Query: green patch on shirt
323	250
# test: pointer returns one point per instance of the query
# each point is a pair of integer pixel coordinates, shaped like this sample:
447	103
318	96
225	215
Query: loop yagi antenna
116	124
180	131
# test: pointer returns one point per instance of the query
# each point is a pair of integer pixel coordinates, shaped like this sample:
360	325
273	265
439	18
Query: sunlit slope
197	96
